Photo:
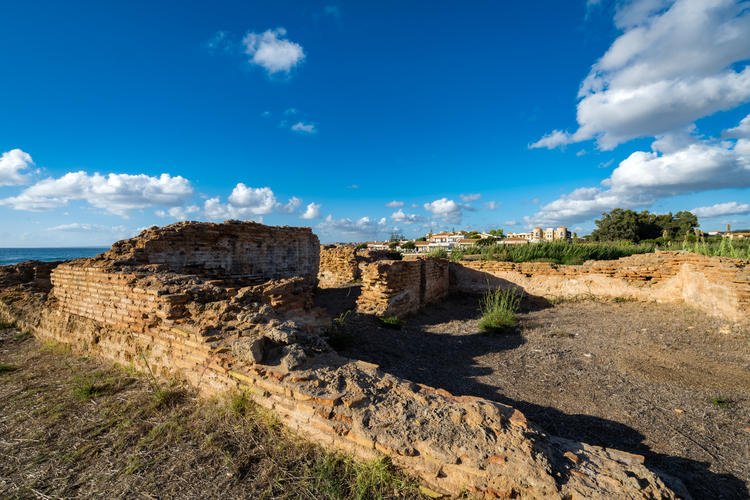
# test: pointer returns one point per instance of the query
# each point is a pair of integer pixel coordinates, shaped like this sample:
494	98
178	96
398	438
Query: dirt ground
661	380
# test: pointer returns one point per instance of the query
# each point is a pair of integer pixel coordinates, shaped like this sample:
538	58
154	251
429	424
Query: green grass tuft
5	325
722	402
498	309
391	322
6	368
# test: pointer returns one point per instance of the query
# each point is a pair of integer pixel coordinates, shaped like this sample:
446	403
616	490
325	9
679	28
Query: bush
391	322
441	253
498	309
394	255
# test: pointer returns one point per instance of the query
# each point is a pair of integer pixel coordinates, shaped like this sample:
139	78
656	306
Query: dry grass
76	427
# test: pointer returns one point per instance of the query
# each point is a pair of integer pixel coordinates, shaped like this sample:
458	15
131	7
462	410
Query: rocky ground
660	380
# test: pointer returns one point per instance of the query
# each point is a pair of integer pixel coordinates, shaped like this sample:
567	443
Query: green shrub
498	309
391	322
457	255
440	253
5	368
394	255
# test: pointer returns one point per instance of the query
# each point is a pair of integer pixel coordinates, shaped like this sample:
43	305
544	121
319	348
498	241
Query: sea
10	256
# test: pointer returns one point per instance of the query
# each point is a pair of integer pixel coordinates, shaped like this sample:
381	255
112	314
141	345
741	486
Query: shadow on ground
439	347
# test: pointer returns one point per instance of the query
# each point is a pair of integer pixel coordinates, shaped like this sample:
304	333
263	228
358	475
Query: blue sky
359	119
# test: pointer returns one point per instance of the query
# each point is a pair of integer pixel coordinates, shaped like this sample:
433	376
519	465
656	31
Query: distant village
463	239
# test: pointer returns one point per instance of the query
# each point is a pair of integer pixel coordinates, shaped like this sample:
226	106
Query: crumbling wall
338	265
453	443
399	287
233	249
717	285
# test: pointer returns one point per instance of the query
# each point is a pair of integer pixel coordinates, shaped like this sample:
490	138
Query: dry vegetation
74	427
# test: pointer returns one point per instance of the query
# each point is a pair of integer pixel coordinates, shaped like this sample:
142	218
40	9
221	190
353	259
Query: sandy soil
660	380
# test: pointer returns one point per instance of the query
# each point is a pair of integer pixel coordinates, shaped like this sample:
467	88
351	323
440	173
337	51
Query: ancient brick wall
399	287
717	285
338	265
236	249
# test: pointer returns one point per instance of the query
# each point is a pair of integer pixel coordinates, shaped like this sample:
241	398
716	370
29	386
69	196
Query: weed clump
6	368
498	308
392	322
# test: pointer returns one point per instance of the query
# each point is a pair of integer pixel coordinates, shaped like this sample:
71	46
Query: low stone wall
717	285
452	443
338	265
236	249
399	287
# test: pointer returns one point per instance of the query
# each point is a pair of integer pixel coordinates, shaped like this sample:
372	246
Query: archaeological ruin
229	307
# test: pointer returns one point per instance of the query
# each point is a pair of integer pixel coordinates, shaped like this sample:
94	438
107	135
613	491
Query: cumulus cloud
256	201
449	211
669	68
308	128
89	228
361	230
491	205
395	204
731	208
676	166
511	223
581	152
290	207
214	210
470	197
118	194
403	218
742	131
179	213
272	51
11	163
311	212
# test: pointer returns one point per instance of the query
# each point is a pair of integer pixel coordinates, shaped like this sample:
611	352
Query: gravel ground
661	380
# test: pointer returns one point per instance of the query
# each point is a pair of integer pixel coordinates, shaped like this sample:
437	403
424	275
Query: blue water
10	256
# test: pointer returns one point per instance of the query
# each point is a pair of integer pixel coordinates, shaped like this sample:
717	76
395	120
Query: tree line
623	224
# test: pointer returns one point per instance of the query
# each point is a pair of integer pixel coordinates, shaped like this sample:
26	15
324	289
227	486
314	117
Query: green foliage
623	224
85	387
396	237
22	336
498	233
391	322
559	252
4	325
394	255
725	247
441	253
457	254
421	238
361	246
721	402
338	337
6	368
393	245
485	242
498	309
409	245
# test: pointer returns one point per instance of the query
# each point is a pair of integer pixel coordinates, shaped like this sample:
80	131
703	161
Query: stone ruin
229	306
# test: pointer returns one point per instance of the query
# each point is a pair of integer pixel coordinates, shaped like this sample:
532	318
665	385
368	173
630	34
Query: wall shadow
447	360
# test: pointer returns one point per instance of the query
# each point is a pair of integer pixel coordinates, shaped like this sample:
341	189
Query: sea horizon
13	255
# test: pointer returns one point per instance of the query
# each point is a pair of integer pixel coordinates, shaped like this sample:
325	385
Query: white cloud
291	111
491	205
219	42
89	228
362	229
676	166
290	207
581	152
470	197
414	205
302	127
606	164
179	213
395	204
742	131
214	210
669	68
256	200
353	186
311	212
449	211
720	209
403	218
272	51
265	114
116	193
11	163
511	223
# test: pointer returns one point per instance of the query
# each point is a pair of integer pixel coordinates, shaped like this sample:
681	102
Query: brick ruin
244	323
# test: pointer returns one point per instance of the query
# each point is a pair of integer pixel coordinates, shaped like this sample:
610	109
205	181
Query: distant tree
361	246
685	222
498	233
472	234
485	242
397	237
623	224
409	245
575	236
618	224
421	238
393	245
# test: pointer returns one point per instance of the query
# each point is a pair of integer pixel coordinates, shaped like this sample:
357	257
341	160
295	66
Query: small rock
573	457
293	357
282	336
249	350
